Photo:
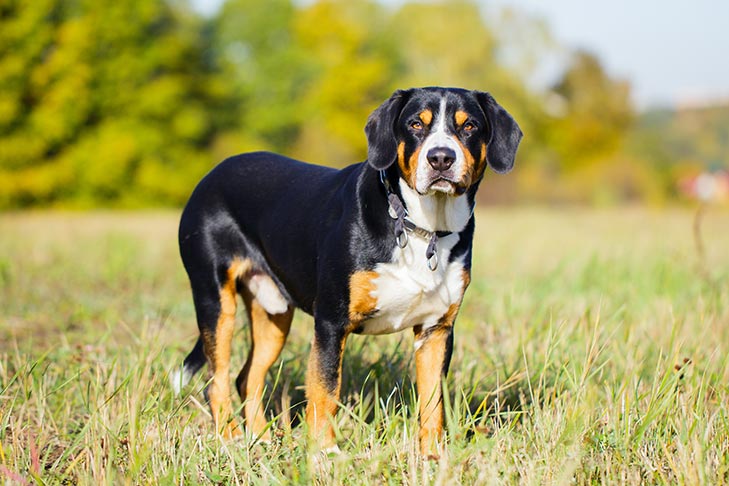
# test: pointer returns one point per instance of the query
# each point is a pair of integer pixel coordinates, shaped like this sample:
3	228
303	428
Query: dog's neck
436	212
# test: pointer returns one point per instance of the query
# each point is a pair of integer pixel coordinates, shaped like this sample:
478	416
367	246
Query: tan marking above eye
461	117
426	116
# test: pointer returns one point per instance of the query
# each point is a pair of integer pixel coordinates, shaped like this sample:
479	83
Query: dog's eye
416	125
469	127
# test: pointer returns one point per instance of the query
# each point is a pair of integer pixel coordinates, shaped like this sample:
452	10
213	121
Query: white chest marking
409	294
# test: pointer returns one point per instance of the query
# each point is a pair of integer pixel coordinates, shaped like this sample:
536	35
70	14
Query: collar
404	225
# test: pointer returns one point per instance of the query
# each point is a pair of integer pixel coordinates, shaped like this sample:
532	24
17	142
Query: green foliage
353	71
254	46
682	143
597	113
129	103
103	103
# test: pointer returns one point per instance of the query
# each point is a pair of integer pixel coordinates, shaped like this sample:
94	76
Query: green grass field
592	347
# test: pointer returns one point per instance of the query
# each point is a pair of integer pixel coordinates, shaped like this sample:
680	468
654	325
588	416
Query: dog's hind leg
215	305
268	336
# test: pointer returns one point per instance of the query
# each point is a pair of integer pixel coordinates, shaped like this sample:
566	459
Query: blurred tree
447	44
353	60
103	102
130	102
259	58
588	117
27	35
596	113
680	144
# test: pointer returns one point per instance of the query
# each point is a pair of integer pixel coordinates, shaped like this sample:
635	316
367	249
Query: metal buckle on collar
397	211
433	262
402	239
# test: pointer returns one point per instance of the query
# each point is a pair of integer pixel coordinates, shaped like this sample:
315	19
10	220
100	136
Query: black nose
441	158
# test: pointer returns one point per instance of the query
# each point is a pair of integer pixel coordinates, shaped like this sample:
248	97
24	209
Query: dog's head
442	138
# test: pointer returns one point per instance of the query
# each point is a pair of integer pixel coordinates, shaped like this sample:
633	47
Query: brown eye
416	125
468	126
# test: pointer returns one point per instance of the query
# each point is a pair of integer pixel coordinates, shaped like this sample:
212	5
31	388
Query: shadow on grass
370	370
378	380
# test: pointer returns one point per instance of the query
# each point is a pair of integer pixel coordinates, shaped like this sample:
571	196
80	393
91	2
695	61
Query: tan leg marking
321	401
430	358
361	302
268	336
217	349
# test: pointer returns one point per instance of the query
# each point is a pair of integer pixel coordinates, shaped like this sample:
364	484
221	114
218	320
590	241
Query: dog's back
261	207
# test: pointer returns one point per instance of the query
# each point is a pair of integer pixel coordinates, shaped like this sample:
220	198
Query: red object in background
706	187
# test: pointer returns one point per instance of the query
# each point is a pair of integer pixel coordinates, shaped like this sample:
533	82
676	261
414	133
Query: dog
377	247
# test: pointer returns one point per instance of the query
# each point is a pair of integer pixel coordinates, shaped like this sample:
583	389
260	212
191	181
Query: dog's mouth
442	185
446	186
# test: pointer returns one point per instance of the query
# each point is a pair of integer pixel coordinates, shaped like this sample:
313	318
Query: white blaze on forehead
440	117
438	137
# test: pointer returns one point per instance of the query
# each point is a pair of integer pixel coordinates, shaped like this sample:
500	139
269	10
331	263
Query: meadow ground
593	346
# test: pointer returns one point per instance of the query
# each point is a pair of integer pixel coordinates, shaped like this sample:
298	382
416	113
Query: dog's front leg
433	348
323	381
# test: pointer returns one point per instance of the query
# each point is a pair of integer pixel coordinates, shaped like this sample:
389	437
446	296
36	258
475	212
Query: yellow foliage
130	102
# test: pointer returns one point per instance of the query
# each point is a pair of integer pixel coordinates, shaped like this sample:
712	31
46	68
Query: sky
673	52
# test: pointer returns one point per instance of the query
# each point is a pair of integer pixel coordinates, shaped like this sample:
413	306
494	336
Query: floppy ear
380	130
505	134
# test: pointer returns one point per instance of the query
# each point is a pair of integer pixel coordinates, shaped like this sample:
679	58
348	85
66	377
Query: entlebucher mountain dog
375	248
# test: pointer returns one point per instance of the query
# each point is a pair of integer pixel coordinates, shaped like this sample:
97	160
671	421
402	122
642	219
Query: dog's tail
192	364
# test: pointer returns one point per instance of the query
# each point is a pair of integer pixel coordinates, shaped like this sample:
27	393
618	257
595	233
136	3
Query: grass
592	347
